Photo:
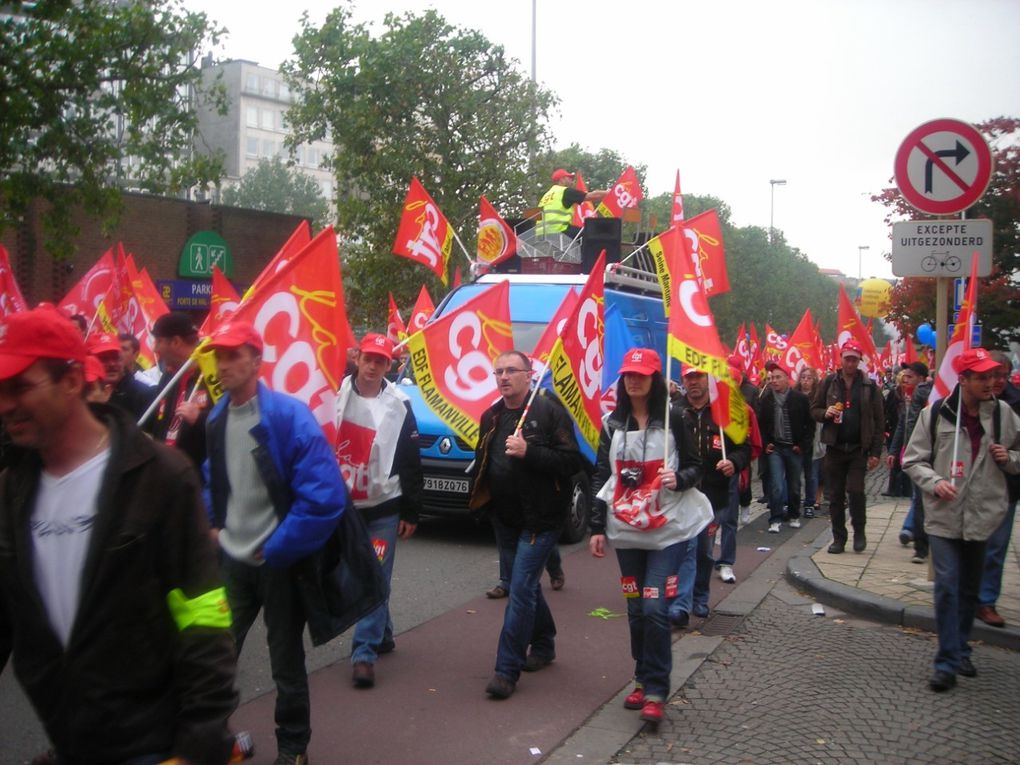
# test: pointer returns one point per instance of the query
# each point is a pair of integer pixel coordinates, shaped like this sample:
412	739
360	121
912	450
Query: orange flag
296	242
625	193
85	296
422	311
396	330
850	327
705	243
575	361
496	240
424	234
585	209
11	299
452	359
223	301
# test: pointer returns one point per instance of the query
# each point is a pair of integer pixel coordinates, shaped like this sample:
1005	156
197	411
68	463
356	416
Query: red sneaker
636	699
651	712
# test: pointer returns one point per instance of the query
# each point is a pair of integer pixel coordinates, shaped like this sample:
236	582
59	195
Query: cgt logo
470	378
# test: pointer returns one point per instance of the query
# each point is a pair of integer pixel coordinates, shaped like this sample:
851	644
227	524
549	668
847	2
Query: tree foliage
95	97
275	187
913	298
599	169
422	98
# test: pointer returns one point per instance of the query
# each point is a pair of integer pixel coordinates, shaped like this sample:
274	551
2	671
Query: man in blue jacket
275	496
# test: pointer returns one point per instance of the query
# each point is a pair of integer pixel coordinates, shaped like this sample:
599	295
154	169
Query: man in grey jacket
958	455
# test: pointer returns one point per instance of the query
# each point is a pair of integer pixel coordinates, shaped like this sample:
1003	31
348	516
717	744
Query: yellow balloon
873	297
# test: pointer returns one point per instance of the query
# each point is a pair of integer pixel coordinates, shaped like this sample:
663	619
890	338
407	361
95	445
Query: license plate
451	485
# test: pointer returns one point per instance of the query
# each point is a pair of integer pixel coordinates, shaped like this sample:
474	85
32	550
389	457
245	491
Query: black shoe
860	542
363	674
497	592
500	687
680	621
941	681
386	646
967	668
906	537
557	579
809	511
535	662
836	548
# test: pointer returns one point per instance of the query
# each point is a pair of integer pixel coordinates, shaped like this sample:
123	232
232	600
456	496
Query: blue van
534	299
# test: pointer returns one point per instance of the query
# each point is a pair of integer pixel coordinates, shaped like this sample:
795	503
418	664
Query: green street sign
203	251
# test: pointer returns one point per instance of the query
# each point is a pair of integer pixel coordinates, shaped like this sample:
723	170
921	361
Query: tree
913	299
275	187
422	98
600	169
97	97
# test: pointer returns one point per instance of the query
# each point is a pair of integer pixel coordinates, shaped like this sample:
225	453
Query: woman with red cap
644	470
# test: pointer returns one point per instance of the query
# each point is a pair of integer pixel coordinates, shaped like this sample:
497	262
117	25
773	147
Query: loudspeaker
600	234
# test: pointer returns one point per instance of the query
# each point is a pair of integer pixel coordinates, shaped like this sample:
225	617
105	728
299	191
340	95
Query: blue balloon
926	335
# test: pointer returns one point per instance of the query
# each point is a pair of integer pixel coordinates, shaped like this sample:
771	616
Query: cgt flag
963	333
295	243
584	209
396	331
424	234
576	360
496	240
223	301
11	299
543	348
666	250
625	193
704	242
452	359
422	311
85	296
850	327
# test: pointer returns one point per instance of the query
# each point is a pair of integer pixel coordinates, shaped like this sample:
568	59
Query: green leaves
274	187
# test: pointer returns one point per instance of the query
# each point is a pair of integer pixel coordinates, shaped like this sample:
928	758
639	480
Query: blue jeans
506	554
527	619
958	565
995	558
812	468
727	520
377	627
784	473
648	615
687	563
274	591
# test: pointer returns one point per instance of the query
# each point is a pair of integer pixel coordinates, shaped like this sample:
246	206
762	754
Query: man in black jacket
524	470
787	431
129	394
110	600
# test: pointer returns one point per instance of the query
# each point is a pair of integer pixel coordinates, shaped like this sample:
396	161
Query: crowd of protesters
170	538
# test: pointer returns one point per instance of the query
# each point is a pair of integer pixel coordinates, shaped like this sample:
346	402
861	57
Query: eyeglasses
508	371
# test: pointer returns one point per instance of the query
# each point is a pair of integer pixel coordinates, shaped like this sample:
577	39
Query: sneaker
497	592
286	758
651	712
941	681
918	558
990	616
535	662
775	527
836	548
635	699
363	674
557	580
745	515
680	620
809	511
906	537
700	610
794	523
500	687
726	574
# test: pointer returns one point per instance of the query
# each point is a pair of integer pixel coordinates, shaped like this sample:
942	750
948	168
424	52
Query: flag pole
531	400
665	421
956	437
463	249
166	389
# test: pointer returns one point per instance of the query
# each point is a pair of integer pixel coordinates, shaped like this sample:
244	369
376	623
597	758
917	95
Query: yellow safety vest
555	217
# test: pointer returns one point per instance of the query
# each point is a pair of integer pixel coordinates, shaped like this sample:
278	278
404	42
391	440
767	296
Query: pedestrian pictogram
943	167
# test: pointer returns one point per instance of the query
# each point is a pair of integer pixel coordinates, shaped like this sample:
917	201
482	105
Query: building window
251	83
327	189
251	116
251	147
312	157
284	92
266	119
268	148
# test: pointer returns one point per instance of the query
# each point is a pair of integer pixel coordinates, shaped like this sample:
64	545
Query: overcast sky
819	92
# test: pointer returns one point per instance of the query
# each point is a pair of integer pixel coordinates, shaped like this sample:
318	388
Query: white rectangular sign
941	247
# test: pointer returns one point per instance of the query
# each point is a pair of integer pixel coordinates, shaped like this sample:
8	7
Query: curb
802	572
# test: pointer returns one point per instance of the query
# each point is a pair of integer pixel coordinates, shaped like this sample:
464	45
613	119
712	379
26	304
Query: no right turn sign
943	167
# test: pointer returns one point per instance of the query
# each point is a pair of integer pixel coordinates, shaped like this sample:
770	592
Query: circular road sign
943	167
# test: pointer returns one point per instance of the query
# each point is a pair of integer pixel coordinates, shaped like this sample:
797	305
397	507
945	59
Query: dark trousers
844	474
958	566
274	591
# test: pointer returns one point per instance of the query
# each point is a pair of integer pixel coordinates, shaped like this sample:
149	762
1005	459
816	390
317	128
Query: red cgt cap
642	361
234	334
103	343
378	344
974	360
559	174
93	369
851	348
42	333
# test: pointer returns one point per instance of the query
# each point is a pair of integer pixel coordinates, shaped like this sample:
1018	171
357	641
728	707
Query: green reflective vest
555	217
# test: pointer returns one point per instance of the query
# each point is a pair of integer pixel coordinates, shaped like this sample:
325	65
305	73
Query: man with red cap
110	600
558	205
850	407
127	392
275	496
958	455
380	460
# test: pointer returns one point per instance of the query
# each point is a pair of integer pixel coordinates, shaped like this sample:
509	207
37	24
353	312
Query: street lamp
773	182
860	249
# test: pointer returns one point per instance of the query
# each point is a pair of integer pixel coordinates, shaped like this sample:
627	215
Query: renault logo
445	444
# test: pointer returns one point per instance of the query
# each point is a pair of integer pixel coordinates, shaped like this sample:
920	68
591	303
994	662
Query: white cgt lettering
471	377
590	370
426	246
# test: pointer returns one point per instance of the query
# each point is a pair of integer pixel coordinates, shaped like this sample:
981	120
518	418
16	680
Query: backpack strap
935	409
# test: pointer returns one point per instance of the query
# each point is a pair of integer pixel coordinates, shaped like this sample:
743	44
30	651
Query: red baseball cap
93	369
853	348
974	360
103	343
771	366
42	333
642	361
378	344
560	174
234	334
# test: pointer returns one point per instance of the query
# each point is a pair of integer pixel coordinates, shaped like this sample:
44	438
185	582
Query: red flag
850	327
910	352
742	348
11	299
803	349
85	296
295	243
667	251
543	348
422	311
396	330
456	277
820	349
678	202
757	362
496	240
624	194
424	234
452	359
705	244
775	346
585	209
575	362
960	341
223	301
